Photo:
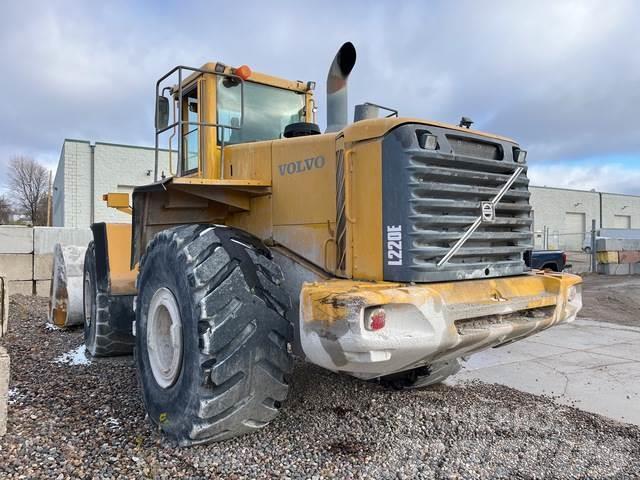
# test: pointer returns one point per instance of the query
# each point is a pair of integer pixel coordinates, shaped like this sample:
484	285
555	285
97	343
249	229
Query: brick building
88	170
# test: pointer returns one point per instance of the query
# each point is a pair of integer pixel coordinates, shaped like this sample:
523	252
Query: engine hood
378	127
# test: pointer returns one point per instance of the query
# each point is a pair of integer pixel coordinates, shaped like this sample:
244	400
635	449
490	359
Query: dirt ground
609	298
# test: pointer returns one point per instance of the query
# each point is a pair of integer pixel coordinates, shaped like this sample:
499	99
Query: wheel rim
88	301
164	338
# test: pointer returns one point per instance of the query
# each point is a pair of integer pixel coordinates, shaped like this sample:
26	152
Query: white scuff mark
77	356
113	423
51	327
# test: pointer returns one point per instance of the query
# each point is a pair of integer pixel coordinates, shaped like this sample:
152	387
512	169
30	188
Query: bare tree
6	212
28	181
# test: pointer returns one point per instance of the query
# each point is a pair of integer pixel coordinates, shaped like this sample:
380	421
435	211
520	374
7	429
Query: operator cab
201	110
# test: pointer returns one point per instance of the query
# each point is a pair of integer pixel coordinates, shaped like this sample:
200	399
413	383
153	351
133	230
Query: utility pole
593	245
49	202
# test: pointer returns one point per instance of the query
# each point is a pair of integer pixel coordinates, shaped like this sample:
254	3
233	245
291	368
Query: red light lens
377	319
244	72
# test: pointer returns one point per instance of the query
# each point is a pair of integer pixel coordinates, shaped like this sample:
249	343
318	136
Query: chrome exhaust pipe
337	107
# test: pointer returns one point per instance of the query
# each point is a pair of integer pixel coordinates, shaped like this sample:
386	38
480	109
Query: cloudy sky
561	77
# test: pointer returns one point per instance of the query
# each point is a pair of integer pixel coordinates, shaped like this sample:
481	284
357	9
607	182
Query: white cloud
614	178
558	76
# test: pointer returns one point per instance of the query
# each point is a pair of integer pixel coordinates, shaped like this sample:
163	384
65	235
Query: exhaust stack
337	108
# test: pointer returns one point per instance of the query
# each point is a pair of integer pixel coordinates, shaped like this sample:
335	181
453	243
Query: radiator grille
445	196
440	192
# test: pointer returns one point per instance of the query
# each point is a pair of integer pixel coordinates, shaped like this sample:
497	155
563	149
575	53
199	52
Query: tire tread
243	328
104	341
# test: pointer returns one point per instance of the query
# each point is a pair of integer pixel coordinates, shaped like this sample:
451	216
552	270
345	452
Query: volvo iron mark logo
488	210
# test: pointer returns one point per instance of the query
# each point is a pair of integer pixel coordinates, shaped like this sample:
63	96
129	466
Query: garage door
574	229
622	221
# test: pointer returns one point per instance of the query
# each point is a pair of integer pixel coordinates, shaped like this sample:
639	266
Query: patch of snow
77	356
15	396
113	423
51	327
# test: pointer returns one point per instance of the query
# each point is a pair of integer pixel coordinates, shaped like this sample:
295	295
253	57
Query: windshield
267	110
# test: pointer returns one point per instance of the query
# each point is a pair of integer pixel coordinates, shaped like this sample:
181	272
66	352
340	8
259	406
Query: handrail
179	123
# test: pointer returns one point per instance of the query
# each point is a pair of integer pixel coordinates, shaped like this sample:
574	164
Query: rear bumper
430	322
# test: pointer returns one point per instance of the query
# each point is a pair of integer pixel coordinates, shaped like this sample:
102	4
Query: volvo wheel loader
387	248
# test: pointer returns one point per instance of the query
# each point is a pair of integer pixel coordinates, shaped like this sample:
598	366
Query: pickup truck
555	260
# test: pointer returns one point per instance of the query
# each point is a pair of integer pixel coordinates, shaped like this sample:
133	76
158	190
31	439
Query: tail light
375	319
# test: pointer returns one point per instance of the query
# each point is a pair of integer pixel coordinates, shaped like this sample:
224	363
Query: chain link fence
579	246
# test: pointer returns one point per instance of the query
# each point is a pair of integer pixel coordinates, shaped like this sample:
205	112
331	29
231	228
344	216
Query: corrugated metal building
566	215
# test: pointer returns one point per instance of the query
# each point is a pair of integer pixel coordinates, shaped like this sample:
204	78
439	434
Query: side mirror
162	112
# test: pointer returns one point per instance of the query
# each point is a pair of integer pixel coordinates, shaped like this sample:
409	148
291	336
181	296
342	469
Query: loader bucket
66	296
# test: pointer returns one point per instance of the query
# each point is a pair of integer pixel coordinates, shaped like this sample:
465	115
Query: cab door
190	146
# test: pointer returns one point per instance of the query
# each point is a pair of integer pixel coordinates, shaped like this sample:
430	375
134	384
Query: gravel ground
87	421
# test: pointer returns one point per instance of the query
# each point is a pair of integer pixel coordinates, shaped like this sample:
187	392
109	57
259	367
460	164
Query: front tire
210	299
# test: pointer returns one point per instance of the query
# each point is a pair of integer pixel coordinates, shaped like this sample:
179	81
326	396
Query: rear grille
445	189
445	201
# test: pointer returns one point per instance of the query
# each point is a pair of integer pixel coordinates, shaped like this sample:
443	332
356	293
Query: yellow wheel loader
387	249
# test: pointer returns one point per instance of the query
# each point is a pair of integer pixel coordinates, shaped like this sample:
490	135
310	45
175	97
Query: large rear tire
212	335
101	338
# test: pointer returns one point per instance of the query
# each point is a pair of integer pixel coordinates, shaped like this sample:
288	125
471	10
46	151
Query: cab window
267	110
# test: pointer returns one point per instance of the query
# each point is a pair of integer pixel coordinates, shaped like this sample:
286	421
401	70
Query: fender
113	252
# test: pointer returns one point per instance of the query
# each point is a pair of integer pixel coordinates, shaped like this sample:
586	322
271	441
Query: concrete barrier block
45	238
23	287
4	306
617	244
16	239
607	257
43	288
631	256
4	389
614	268
16	266
42	266
44	241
